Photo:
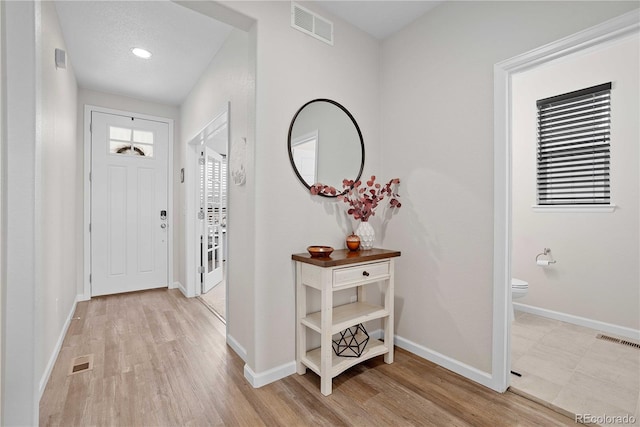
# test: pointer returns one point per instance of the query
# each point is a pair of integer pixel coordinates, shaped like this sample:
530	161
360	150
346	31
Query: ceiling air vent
309	23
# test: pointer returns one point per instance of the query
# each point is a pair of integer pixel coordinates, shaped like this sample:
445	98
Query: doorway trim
88	109
590	38
192	287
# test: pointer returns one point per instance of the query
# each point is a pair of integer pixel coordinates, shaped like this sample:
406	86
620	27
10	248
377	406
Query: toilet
519	288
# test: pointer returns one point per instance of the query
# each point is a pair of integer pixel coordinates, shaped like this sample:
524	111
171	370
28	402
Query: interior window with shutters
573	159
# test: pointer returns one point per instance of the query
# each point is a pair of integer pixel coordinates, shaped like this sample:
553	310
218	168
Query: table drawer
368	272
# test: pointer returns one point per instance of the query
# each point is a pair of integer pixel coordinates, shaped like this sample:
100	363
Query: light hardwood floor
161	360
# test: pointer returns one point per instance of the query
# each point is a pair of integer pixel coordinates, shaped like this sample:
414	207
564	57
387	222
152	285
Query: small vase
367	235
353	242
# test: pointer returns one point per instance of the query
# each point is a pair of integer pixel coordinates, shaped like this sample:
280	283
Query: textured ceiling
100	34
379	18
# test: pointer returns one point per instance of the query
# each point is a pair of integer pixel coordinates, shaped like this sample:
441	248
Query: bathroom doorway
568	359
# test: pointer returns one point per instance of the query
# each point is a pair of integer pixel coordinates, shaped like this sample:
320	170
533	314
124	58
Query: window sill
574	209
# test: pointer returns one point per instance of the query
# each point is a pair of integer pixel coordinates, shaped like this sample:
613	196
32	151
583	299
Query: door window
130	142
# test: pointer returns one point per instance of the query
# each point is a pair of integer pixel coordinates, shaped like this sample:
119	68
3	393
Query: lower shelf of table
340	364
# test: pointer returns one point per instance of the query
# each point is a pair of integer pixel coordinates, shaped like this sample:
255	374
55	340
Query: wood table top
345	257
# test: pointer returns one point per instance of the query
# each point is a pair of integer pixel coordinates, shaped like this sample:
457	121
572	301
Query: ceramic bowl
320	251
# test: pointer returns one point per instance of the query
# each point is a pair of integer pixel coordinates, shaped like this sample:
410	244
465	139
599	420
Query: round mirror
325	144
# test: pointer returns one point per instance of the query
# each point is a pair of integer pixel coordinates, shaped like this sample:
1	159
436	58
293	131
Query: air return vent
618	340
81	364
304	20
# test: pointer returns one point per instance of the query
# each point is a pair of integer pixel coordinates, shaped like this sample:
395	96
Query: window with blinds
573	147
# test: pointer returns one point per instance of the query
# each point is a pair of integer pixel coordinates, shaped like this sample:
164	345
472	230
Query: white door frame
87	192
212	278
192	245
606	32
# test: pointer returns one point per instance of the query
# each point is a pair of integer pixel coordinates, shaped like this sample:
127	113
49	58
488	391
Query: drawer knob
365	273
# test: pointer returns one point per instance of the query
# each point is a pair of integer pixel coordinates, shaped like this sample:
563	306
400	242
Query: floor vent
618	341
304	20
81	364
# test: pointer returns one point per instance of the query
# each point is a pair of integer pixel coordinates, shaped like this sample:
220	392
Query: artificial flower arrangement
362	199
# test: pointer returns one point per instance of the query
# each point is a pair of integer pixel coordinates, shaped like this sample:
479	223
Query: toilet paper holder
545	252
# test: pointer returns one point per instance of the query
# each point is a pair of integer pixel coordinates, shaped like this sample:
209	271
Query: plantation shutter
573	147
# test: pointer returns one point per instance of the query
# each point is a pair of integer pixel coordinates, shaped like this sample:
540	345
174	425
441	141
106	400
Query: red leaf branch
362	200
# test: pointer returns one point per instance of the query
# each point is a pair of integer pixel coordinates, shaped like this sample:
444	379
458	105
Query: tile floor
568	368
216	300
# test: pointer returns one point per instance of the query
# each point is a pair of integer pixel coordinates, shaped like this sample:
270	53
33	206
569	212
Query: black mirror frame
293	165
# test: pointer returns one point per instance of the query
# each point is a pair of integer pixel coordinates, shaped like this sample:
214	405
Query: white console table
342	270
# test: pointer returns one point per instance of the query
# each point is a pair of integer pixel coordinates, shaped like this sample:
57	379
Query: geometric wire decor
351	342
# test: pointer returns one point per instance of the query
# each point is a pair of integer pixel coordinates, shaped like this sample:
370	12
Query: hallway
160	359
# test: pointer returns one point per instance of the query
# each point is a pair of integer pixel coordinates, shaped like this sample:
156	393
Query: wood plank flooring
161	360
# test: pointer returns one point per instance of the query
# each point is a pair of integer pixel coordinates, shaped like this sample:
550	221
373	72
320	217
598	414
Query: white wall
56	247
3	192
229	78
597	273
40	187
437	136
292	69
20	400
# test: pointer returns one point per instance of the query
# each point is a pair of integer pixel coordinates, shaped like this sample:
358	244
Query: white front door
129	235
211	206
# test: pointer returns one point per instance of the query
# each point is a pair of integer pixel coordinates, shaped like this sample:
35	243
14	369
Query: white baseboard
261	379
235	346
378	334
178	285
451	364
609	328
258	380
456	366
175	285
56	350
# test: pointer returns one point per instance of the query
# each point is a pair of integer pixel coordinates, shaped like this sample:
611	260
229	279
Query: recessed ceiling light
141	53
